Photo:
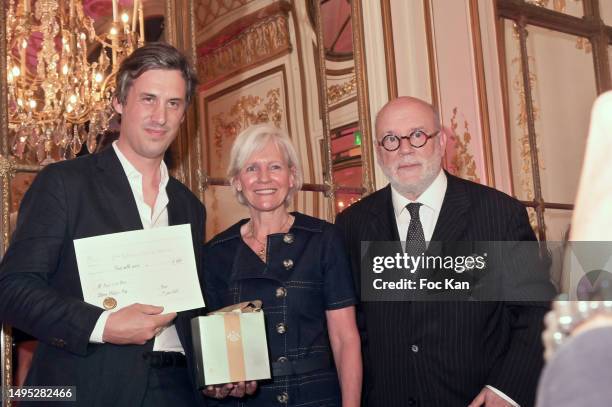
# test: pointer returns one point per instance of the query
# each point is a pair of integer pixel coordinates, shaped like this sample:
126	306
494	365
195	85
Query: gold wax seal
109	303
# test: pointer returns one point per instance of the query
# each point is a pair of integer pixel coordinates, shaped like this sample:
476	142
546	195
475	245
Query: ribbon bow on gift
243	307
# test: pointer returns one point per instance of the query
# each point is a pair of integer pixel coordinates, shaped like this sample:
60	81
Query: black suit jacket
40	290
443	353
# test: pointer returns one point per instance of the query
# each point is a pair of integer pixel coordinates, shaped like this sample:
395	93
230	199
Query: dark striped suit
443	353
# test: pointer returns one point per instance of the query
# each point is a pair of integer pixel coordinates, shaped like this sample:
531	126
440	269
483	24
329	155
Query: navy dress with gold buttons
306	273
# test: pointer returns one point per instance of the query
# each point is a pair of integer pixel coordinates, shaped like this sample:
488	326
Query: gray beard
430	171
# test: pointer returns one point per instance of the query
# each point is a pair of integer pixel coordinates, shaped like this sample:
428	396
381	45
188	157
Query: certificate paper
151	266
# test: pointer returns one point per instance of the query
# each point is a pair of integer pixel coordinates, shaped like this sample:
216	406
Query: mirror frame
326	159
185	151
363	100
6	339
363	106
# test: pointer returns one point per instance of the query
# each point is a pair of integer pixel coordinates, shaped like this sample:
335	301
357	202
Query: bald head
410	169
409	103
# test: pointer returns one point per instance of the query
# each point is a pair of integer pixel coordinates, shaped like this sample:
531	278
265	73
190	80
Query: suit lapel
453	218
384	227
178	215
116	192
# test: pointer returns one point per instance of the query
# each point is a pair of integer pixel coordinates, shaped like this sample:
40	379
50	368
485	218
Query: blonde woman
297	266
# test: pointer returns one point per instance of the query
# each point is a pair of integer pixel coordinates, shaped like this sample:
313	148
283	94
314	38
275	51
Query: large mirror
344	138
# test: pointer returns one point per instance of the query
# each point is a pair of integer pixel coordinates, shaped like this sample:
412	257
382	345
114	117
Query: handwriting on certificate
152	266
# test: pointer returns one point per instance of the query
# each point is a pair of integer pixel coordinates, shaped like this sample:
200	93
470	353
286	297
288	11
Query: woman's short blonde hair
254	139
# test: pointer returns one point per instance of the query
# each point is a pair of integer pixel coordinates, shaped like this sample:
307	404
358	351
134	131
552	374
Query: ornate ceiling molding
265	36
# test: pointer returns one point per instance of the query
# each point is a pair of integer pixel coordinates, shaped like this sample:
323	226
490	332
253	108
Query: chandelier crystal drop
59	99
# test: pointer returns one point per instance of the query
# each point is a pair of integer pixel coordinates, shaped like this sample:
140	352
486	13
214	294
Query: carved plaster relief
262	41
459	159
342	90
246	111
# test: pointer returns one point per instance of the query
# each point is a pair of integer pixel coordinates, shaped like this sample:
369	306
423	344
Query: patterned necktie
415	239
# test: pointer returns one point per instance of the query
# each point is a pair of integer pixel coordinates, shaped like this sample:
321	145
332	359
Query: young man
135	356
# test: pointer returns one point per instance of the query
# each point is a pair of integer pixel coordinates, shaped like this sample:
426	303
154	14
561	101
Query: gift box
230	345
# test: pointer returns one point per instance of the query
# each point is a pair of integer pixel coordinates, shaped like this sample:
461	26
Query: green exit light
357	135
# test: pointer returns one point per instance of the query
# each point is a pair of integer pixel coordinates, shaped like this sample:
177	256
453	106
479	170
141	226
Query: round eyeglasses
417	139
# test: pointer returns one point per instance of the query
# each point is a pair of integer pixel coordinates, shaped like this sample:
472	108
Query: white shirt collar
432	197
132	172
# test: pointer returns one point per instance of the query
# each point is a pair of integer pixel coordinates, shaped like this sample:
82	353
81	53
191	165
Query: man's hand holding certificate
152	266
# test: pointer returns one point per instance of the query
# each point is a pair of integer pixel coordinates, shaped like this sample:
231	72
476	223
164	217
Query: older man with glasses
439	353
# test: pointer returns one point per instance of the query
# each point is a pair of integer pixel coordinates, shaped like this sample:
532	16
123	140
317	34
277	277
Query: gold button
283	398
281	292
288	263
288	238
282	359
281	328
109	303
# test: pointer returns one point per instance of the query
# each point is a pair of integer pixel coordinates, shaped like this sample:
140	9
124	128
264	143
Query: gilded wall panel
459	92
459	159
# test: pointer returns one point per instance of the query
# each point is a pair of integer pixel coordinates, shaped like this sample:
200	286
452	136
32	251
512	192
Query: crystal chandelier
59	100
